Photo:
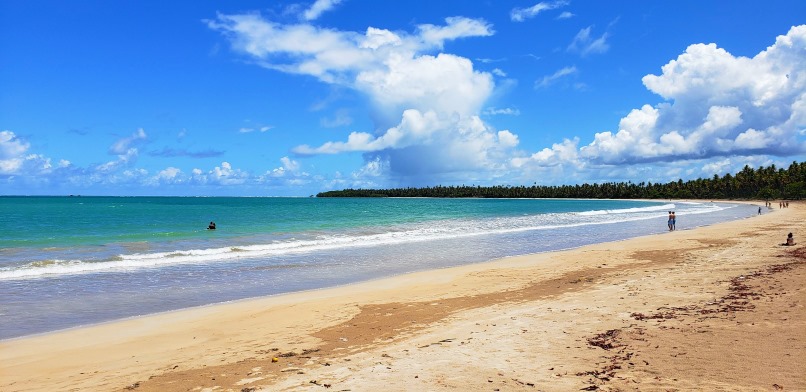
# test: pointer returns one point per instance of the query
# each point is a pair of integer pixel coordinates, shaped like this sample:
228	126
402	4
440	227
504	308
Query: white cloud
124	160
565	15
219	175
372	169
16	160
415	128
169	174
250	129
318	8
753	140
11	146
127	154
558	154
445	83
226	175
491	111
507	139
334	56
723	106
550	79
289	167
456	27
423	102
584	44
123	145
426	103
521	14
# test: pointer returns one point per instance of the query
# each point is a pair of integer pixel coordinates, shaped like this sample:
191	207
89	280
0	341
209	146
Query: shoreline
558	248
229	341
249	274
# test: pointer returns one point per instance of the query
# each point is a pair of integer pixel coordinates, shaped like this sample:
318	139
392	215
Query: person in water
211	226
789	240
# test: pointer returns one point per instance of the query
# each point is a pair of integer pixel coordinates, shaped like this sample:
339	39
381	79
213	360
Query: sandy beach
714	308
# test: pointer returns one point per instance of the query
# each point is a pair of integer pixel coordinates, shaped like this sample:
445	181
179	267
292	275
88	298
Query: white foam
404	234
665	207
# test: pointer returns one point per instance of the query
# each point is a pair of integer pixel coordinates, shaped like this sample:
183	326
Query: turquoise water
69	261
84	221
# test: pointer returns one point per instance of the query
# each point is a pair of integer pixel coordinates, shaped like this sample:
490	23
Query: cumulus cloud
720	106
226	175
559	153
11	145
169	173
168	176
16	160
445	83
424	102
427	103
521	14
219	175
422	137
289	167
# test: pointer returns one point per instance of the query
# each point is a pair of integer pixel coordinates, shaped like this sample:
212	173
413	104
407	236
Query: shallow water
126	257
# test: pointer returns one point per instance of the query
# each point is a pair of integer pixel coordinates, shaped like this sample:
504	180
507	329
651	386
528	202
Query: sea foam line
429	232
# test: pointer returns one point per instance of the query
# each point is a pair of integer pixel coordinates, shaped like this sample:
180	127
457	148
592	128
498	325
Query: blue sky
283	98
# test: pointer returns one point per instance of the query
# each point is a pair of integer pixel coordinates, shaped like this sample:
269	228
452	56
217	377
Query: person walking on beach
674	221
671	219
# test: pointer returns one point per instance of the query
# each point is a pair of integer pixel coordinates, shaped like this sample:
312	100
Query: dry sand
716	308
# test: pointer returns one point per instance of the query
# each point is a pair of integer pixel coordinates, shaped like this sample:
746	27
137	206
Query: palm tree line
764	183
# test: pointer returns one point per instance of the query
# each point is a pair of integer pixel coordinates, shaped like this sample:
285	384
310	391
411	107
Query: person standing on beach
669	222
674	221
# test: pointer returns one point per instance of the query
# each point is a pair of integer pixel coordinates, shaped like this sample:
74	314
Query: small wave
664	207
44	263
432	231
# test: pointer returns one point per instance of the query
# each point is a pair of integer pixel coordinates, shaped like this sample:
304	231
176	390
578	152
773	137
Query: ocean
74	261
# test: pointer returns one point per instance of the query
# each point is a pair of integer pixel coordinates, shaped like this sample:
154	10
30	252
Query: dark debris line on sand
739	298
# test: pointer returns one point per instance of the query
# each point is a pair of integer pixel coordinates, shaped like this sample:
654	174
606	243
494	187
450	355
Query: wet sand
713	308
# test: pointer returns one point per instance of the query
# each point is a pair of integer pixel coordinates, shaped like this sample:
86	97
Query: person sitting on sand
211	226
789	240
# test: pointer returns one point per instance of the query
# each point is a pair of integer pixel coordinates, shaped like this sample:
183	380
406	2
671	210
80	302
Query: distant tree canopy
764	183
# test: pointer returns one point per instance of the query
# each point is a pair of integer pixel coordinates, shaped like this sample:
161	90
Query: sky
292	98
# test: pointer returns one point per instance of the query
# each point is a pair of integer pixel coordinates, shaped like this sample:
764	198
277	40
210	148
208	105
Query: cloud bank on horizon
432	120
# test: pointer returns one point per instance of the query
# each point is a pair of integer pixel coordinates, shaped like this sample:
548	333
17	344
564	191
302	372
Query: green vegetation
766	183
